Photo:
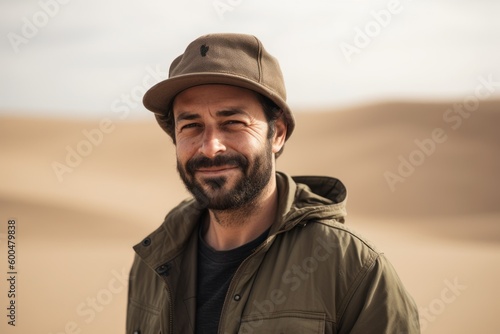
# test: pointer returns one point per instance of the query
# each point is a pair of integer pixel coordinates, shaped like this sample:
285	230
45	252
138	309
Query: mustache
220	160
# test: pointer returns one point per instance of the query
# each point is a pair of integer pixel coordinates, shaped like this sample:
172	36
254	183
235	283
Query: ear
279	134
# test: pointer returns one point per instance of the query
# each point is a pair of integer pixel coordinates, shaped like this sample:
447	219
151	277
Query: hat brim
159	97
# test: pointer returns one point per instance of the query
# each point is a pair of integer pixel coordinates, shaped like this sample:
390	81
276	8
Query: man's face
224	155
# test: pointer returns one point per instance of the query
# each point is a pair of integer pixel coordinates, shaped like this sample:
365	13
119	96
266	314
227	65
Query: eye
233	123
189	126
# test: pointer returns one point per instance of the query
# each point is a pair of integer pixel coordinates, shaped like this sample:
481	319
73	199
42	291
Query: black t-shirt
215	271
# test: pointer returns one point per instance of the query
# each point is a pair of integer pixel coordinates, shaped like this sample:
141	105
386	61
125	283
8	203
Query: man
255	251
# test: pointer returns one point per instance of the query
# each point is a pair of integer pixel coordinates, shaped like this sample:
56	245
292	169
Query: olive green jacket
311	275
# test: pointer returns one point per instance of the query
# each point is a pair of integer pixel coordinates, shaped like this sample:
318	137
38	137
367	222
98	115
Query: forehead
214	96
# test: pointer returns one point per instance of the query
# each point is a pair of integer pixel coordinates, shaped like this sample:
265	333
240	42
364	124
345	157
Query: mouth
216	171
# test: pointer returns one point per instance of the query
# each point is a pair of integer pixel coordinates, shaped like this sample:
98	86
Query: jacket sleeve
380	304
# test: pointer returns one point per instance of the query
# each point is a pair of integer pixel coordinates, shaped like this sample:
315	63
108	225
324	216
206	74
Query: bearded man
255	250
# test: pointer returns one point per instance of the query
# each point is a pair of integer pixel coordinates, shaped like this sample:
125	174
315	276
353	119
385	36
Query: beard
215	193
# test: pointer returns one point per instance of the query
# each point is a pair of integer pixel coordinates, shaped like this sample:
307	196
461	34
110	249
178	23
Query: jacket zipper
229	290
231	285
171	308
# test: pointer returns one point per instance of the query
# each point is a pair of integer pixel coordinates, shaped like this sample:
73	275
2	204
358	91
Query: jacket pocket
290	322
142	319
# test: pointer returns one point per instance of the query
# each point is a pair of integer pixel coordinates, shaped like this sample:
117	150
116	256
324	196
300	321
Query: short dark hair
271	111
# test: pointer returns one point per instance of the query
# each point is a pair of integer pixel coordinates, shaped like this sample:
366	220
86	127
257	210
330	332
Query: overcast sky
83	58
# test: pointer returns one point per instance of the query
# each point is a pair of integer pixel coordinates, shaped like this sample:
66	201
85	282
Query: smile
211	171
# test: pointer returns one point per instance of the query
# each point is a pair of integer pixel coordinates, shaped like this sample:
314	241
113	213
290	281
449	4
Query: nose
211	143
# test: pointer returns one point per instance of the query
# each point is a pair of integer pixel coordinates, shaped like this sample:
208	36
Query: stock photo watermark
363	37
88	309
453	117
12	274
94	137
31	26
437	306
223	6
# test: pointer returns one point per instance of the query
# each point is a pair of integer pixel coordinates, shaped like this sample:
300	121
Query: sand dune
437	217
360	145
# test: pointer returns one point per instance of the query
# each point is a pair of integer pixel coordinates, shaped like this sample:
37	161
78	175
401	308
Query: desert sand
423	186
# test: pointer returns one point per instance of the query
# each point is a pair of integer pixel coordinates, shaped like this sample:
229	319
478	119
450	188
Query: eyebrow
189	116
230	112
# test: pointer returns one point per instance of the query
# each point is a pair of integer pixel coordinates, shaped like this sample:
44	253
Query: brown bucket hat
230	59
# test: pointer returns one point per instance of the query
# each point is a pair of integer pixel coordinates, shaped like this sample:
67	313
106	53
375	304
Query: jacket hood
305	198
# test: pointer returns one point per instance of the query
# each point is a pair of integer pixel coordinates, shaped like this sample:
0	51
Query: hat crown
234	54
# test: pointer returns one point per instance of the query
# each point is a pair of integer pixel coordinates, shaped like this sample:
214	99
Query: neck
230	229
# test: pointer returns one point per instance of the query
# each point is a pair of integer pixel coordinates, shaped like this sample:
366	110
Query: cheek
249	140
251	151
182	156
185	147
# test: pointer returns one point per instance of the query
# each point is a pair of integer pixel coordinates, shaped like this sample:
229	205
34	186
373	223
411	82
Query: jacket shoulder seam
337	226
368	264
363	273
